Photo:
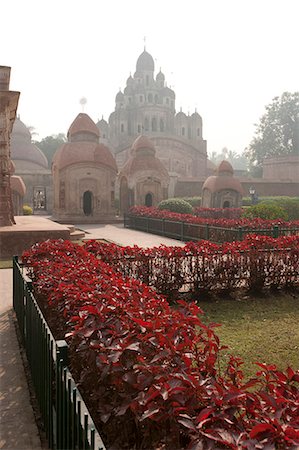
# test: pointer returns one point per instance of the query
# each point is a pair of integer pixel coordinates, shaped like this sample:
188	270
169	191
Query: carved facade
8	108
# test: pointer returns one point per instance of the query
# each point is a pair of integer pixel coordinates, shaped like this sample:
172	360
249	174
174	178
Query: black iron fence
185	231
67	422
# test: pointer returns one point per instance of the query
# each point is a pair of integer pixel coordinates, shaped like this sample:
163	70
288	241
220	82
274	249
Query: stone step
76	235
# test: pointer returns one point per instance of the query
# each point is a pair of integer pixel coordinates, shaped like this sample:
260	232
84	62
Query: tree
50	144
277	133
238	161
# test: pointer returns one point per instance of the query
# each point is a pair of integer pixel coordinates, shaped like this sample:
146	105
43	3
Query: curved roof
119	96
19	128
83	124
83	152
143	142
17	185
145	62
102	123
147	162
22	148
168	92
225	166
160	76
143	159
216	184
130	80
223	180
181	115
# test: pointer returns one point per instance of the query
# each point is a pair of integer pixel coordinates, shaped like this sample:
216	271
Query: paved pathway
125	236
18	429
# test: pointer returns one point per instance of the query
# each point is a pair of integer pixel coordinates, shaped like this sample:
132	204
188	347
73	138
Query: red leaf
261	428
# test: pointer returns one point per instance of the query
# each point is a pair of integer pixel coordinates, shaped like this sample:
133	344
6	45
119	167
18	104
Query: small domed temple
222	190
143	180
84	173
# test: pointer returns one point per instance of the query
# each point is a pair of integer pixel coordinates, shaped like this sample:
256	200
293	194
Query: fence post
182	231
240	234
62	351
61	363
163	227
207	232
275	231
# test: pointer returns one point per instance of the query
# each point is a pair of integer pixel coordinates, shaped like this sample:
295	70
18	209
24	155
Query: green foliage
194	201
288	204
50	144
27	210
177	205
278	131
265	211
246	201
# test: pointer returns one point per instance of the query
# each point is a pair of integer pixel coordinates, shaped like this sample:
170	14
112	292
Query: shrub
266	212
148	372
177	205
288	204
246	201
27	210
194	201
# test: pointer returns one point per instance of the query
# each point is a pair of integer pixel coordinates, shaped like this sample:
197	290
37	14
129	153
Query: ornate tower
8	108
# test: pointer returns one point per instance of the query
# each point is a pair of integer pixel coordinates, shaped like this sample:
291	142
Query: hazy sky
227	58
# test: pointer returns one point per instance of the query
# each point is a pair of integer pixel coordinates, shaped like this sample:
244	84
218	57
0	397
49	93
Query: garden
150	365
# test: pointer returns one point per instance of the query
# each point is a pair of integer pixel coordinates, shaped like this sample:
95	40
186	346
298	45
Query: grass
263	329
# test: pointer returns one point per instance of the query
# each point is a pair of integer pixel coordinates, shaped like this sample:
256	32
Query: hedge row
250	224
148	372
255	263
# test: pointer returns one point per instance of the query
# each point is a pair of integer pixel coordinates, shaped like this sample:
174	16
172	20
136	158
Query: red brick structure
8	108
222	190
84	174
143	180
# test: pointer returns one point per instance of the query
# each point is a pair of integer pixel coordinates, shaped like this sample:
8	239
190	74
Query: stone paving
18	429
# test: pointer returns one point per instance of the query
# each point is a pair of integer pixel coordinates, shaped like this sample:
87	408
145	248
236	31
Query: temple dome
145	62
119	96
143	159
83	124
225	167
87	149
143	143
223	180
22	148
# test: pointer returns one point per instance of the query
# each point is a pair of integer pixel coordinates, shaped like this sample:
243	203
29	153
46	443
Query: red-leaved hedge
257	223
148	372
255	263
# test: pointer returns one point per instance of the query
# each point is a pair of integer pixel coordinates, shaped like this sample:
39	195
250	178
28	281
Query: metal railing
186	231
67	422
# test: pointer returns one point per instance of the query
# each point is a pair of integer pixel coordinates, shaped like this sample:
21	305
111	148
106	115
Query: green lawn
264	329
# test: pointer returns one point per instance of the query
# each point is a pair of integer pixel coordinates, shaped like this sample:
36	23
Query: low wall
27	231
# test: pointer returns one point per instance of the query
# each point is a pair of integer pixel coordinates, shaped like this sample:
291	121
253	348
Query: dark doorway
87	203
226	204
149	199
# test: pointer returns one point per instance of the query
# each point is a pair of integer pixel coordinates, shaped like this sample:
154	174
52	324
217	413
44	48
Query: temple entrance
149	199
226	204
87	203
